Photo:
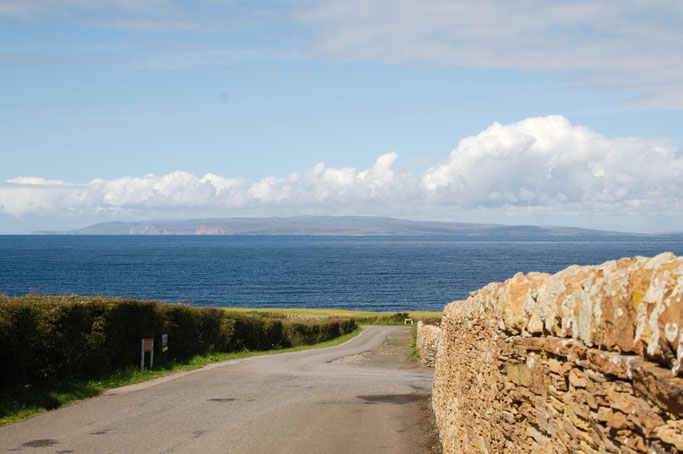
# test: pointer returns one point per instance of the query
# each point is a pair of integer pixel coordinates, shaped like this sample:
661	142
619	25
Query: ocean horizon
378	273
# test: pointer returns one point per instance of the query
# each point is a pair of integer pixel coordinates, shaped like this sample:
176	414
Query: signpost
164	342
147	345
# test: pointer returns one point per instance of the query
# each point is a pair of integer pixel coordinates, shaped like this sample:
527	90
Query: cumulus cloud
540	166
549	165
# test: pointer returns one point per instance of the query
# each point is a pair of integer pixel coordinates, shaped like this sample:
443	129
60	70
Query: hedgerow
45	338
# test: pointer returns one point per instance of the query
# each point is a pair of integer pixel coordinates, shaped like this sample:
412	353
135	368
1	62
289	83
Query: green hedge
396	318
312	331
55	338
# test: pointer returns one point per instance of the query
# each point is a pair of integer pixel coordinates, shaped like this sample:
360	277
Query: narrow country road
364	396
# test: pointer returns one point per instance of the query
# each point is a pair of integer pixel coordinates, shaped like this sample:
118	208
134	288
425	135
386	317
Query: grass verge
358	315
413	346
31	400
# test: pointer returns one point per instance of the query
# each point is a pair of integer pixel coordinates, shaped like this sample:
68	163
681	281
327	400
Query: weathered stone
671	433
555	366
508	416
577	379
556	404
608	363
518	374
604	413
559	383
658	385
544	416
577	420
585	447
569	349
528	412
427	342
586	398
595	376
593	436
533	432
527	344
644	417
601	400
631	444
659	447
586	360
581	410
620	401
619	420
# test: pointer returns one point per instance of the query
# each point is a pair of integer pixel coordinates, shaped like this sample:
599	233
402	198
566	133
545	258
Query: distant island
330	225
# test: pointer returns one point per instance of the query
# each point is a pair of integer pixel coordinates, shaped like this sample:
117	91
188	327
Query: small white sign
147	345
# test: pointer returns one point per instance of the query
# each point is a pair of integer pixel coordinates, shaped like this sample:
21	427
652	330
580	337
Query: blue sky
527	112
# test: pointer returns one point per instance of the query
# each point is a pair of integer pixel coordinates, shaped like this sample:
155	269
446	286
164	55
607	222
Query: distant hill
328	225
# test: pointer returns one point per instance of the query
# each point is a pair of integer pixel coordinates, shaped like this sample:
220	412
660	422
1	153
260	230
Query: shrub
396	318
47	338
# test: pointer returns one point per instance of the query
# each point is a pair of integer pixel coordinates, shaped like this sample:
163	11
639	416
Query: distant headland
332	225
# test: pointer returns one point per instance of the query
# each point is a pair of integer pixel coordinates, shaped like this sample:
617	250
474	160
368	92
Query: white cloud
548	165
147	16
541	166
184	59
630	45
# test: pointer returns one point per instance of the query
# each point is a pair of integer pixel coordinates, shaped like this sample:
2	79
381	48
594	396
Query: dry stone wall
586	360
427	342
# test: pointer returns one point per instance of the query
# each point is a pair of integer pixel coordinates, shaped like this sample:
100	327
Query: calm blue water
370	273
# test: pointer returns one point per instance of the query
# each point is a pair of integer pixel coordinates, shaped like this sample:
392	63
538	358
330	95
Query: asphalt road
363	396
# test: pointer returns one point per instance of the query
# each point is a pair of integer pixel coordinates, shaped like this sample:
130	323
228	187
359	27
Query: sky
529	112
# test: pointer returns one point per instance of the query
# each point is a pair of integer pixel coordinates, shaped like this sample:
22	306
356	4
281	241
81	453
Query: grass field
415	315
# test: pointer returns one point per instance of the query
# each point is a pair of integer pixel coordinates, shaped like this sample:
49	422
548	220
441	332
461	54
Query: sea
377	273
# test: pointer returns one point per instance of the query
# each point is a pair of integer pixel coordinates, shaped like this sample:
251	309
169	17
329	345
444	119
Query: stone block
604	414
577	378
671	433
